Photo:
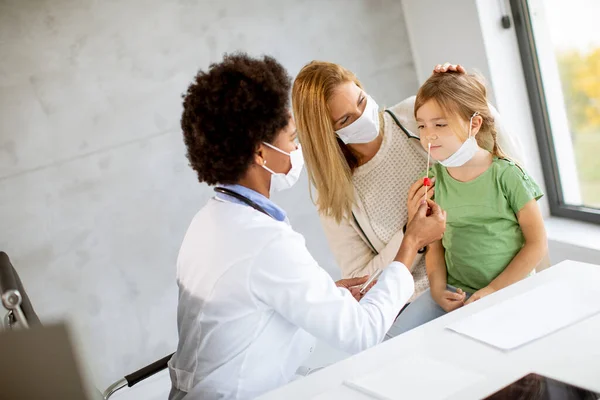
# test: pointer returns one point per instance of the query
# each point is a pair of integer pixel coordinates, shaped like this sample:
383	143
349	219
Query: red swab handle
426	182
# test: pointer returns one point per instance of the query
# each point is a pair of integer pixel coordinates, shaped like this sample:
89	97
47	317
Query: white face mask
281	181
365	129
465	152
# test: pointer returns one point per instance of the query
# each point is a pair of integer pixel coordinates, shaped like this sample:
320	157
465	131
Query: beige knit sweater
381	188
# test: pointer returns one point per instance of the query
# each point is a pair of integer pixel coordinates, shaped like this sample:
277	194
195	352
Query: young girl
495	233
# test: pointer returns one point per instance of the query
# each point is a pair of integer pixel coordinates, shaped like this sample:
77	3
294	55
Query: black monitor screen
537	387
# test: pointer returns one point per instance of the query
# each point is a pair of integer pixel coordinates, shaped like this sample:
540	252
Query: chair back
14	297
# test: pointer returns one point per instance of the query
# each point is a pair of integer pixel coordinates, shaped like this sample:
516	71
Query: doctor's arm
286	278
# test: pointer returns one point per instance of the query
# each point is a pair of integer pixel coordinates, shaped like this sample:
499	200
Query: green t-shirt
482	231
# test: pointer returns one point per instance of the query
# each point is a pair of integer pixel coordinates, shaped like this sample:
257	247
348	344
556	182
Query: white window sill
578	233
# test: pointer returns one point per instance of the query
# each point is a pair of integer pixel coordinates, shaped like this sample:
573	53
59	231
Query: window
560	49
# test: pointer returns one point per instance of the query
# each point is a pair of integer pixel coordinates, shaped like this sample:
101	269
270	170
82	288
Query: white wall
444	31
95	192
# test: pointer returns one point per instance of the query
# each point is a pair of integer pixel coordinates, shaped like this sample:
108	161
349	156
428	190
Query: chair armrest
148	371
137	376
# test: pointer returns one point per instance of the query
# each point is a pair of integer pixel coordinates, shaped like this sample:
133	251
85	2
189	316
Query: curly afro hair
229	110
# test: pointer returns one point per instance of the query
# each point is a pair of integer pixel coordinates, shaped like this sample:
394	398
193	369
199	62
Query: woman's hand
354	285
448	299
441	68
480	294
416	195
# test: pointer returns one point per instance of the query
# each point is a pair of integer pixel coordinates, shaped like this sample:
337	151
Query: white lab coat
252	300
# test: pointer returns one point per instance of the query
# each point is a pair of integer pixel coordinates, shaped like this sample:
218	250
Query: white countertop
571	354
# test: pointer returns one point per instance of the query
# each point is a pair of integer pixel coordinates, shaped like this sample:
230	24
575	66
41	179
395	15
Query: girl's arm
435	264
535	248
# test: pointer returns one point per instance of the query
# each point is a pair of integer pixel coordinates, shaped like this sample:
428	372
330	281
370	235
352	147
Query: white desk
571	354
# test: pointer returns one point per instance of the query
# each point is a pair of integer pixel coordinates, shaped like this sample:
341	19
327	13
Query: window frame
539	110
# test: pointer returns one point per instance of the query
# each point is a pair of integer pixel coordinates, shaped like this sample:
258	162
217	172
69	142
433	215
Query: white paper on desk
342	392
531	315
414	377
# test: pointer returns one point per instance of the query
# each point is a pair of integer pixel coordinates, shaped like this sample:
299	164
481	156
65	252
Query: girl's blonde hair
328	160
461	95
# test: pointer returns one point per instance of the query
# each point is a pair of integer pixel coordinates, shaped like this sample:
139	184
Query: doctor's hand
354	284
428	224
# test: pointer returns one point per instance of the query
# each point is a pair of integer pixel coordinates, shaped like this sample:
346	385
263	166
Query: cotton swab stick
374	276
426	180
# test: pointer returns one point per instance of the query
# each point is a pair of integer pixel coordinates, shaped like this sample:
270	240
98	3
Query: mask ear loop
476	113
269	169
276	148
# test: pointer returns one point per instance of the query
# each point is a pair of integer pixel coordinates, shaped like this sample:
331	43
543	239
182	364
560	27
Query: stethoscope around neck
241	198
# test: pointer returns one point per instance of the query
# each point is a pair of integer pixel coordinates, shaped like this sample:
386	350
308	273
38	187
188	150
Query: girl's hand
448	299
440	68
480	294
416	194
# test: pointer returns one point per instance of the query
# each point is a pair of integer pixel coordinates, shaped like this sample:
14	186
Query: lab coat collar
271	208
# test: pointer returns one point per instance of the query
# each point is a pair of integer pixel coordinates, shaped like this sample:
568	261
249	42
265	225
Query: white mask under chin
365	129
281	181
465	152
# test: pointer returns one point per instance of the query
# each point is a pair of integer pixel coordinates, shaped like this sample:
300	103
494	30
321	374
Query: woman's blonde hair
461	95
329	161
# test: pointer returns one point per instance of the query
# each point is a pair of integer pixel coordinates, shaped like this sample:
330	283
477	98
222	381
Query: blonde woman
364	163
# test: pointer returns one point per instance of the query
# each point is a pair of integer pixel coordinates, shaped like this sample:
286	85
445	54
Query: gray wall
95	192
